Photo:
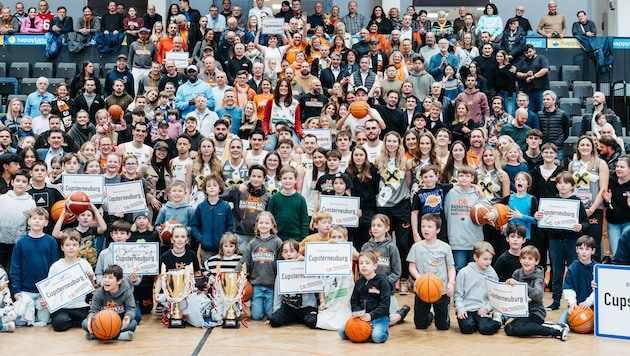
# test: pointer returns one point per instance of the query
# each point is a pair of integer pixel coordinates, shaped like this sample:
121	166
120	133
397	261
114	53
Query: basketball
248	291
359	109
115	111
106	324
57	209
358	330
478	213
166	229
581	321
77	202
429	288
502	214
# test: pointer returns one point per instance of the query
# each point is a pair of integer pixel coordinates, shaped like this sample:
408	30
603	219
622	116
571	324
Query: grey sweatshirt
471	293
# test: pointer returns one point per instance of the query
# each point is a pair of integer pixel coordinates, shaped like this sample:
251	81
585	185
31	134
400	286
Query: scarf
256	192
62	105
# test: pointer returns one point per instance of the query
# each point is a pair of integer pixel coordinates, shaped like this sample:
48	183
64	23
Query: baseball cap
47	102
162	123
356	89
121	56
144	29
192	67
160	145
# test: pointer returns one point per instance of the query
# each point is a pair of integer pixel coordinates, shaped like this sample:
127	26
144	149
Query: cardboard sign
326	259
142	258
125	197
65	287
91	184
509	300
291	279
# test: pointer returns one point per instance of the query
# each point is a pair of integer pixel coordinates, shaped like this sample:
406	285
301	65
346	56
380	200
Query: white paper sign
180	58
559	213
612	301
125	197
509	300
343	209
291	279
65	287
326	259
324	137
272	26
91	184
142	258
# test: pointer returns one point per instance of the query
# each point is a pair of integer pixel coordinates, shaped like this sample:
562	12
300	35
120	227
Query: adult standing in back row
532	71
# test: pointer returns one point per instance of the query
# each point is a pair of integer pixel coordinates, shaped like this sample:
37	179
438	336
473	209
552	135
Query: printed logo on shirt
382	261
261	255
374	290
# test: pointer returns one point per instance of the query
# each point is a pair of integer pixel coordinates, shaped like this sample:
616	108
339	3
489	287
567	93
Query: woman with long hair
250	121
616	202
282	108
475	71
456	159
32	23
505	82
591	175
273	165
173	11
339	46
235	169
334	14
207	41
132	24
465	51
365	183
393	197
425	154
87	72
262	98
462	123
157	33
29	156
394	17
205	164
310	179
451	85
157	175
384	24
15	112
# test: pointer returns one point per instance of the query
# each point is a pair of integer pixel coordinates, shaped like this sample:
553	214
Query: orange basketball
57	210
359	109
582	320
478	213
248	291
429	288
358	330
115	111
166	229
106	324
502	214
77	202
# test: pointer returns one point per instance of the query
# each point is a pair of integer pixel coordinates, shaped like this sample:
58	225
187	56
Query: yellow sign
563	43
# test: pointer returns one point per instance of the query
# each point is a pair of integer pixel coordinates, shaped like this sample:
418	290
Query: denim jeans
462	257
131	327
273	141
379	330
262	302
562	254
615	231
510	101
535	100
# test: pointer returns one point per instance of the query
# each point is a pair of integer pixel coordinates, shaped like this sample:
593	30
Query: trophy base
176	324
230	324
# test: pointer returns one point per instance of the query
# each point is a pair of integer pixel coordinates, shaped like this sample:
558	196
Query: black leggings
286	315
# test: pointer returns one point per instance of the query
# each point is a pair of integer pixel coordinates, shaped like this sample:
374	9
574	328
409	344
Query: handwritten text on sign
142	258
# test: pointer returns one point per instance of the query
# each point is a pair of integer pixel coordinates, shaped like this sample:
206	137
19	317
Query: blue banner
621	43
537	42
24	40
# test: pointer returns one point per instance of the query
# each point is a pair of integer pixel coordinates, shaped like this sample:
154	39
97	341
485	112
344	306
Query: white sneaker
8	327
40	324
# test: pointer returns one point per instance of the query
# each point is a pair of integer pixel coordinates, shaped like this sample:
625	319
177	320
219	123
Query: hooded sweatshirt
477	104
389	264
121	301
535	290
471	293
14	211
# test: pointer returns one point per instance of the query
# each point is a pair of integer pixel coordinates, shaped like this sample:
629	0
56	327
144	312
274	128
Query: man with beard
119	97
171	76
186	93
533	71
486	65
220	136
166	43
477	141
141	54
231	109
394	118
421	80
305	78
334	74
430	49
599	106
374	143
311	104
517	129
476	100
89	100
121	71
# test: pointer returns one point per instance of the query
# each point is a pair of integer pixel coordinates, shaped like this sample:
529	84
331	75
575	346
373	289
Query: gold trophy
177	286
229	291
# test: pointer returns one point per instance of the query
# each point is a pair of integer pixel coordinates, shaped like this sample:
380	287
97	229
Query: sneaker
565	331
606	260
498	317
404	286
126	336
159	309
430	317
40	324
553	306
8	327
90	336
403	312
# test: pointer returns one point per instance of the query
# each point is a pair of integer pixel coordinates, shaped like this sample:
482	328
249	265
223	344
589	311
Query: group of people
239	145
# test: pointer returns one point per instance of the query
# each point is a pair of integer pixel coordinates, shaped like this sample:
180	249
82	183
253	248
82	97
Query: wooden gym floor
151	338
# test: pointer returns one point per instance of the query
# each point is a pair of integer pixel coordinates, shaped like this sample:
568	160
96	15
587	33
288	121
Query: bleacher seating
20	70
576	126
66	70
43	69
28	85
570	73
582	89
561	88
3	69
553	73
571	106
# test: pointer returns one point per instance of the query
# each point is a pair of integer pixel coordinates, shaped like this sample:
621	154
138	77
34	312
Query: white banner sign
142	258
559	213
324	137
65	287
509	300
91	184
612	301
326	259
343	209
125	197
291	279
272	26
180	58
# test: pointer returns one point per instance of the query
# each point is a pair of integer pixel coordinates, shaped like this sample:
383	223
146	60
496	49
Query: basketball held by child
429	288
57	209
359	109
248	292
502	213
106	324
478	214
166	229
582	320
358	330
78	202
115	111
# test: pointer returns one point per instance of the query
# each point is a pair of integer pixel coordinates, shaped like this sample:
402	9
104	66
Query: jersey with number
235	175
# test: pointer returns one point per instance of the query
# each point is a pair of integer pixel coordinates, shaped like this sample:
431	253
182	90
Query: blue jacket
183	213
209	223
114	74
435	68
188	91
